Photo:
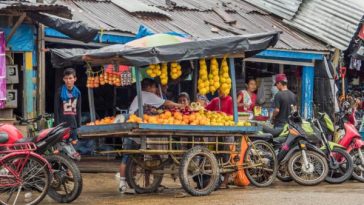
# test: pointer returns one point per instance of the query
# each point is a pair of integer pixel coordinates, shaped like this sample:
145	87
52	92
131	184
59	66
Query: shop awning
242	45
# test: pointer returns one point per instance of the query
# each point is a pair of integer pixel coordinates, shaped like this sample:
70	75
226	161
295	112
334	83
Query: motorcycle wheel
67	184
345	169
358	172
316	161
283	174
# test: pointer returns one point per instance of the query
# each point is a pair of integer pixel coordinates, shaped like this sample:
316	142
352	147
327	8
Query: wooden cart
197	155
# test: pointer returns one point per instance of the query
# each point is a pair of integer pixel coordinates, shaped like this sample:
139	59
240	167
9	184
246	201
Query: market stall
196	133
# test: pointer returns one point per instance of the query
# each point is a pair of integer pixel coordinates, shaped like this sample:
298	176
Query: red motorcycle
66	185
352	141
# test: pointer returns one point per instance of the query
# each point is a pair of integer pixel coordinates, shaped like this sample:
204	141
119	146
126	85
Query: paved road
101	189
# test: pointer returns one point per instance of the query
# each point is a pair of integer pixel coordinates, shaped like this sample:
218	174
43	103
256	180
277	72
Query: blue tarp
23	39
104	38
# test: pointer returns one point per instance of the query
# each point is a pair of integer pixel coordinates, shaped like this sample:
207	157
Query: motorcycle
298	158
340	162
350	139
66	185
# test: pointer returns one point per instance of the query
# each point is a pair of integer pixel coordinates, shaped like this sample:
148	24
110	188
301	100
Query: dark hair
250	79
69	71
184	94
148	82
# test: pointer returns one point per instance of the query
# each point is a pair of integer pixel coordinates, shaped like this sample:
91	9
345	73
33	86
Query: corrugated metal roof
198	5
25	6
283	8
333	22
106	15
139	7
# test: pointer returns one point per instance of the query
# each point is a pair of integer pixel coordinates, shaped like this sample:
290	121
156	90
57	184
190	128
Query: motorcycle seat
4	137
279	140
273	131
262	136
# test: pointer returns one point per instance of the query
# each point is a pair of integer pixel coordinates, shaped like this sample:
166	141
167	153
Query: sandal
122	189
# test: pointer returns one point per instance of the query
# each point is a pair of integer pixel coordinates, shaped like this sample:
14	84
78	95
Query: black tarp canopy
243	45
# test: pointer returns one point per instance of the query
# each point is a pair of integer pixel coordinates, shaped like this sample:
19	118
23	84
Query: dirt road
100	189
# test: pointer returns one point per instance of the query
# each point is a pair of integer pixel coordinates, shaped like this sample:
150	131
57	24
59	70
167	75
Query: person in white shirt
150	98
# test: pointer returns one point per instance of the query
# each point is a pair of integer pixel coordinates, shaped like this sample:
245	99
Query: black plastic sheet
74	29
248	45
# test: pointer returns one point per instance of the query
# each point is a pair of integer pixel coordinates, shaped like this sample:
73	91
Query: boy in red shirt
222	103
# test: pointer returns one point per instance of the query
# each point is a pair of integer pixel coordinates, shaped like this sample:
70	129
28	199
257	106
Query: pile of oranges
135	119
104	121
177	118
201	117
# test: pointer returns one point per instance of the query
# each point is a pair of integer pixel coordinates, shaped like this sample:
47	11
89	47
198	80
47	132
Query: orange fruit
168	114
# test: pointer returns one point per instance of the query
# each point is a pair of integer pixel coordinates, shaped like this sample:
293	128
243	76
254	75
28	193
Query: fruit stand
191	145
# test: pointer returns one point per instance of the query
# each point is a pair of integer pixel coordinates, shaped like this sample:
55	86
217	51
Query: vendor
184	99
150	97
222	103
247	98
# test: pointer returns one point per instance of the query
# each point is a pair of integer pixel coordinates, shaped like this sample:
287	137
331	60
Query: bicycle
25	176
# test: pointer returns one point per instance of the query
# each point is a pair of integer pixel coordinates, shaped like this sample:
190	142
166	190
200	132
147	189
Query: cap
281	78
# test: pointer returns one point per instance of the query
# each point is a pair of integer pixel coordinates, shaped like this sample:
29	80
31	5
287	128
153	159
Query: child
67	103
184	99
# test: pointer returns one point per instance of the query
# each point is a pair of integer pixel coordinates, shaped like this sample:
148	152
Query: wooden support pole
139	93
233	90
194	80
17	24
143	140
91	103
41	71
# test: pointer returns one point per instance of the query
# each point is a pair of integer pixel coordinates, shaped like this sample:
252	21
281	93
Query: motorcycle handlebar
32	120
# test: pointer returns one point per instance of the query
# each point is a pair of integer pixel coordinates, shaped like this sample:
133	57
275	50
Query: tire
63	167
146	164
34	167
202	182
261	152
345	169
283	174
292	167
358	172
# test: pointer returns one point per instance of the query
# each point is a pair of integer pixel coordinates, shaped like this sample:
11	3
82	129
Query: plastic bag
240	178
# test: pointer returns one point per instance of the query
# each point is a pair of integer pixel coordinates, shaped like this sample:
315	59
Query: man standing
282	102
67	103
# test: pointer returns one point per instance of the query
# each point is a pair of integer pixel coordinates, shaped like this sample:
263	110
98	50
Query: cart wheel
262	164
199	172
139	173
